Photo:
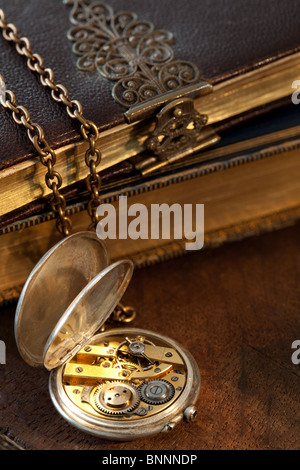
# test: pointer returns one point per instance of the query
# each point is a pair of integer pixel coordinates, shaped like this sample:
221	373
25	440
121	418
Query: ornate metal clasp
149	80
180	131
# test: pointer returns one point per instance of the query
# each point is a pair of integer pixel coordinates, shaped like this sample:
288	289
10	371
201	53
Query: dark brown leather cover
222	37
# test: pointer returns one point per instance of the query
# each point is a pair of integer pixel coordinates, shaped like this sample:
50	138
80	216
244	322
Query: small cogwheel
157	392
116	398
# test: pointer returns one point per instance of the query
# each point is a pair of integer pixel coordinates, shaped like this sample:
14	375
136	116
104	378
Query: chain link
60	94
35	132
47	157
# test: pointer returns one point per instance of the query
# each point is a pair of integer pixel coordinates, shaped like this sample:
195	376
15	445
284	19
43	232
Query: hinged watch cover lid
67	297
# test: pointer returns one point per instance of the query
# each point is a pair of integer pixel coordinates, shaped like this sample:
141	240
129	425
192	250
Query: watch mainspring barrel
124	379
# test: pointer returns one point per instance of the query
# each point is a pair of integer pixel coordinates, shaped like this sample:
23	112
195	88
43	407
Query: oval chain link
60	94
47	157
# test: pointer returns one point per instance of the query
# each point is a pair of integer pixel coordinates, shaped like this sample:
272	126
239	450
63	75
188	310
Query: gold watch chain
59	93
47	157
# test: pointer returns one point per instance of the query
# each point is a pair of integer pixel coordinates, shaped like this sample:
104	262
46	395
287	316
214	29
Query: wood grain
236	308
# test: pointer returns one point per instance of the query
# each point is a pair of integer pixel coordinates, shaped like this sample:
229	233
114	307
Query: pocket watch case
120	384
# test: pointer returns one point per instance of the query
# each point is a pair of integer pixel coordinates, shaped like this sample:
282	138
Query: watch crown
190	414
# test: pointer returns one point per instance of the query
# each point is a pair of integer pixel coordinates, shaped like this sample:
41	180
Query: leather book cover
249	54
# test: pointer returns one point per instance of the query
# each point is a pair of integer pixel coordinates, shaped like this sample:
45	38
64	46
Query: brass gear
116	398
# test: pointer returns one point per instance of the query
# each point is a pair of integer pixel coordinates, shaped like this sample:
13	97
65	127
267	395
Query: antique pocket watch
119	384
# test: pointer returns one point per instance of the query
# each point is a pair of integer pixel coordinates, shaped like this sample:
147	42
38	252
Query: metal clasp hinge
180	130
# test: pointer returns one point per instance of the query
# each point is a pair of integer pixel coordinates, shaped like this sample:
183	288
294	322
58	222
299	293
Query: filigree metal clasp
149	80
179	132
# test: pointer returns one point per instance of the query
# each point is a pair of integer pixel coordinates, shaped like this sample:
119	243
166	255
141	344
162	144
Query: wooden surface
237	309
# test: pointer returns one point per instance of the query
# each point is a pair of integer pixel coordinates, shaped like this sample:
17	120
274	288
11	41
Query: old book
250	185
231	64
281	126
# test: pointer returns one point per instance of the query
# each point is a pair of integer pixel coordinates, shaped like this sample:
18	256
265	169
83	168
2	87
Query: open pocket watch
119	384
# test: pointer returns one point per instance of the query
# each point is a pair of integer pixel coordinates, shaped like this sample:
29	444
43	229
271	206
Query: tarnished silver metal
119	384
190	414
57	279
87	313
129	429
